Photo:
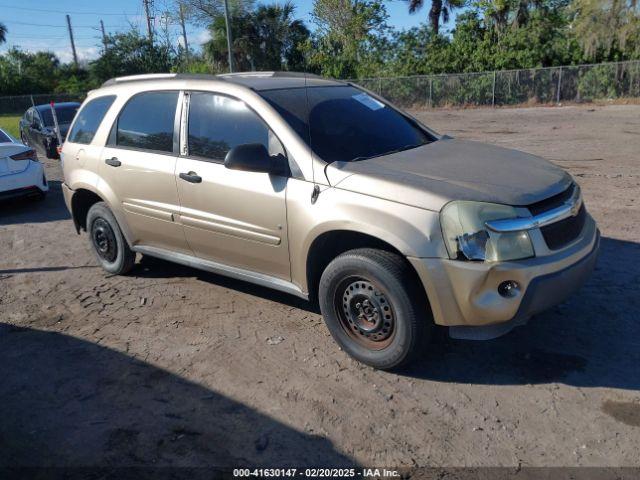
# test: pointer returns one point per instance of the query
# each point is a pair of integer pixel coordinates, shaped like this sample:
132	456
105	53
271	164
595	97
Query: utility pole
73	45
147	6
184	32
229	40
104	35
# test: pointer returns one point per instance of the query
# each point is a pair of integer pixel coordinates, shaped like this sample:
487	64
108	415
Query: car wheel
373	308
107	240
23	139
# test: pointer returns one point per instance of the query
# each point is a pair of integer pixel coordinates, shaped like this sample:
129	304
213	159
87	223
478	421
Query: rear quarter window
89	119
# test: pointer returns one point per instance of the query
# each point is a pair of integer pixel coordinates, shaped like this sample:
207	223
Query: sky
41	25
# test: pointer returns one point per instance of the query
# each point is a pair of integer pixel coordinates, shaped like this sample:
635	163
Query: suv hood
449	169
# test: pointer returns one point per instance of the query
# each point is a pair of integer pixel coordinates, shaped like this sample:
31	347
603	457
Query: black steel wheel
107	240
365	313
374	308
104	240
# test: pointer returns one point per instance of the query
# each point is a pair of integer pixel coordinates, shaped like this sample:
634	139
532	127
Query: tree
26	72
267	38
606	29
3	33
129	54
351	37
205	12
440	10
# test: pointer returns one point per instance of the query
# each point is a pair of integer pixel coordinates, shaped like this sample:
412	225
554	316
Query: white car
21	174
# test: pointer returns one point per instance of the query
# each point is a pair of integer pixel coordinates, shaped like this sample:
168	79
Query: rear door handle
191	177
113	161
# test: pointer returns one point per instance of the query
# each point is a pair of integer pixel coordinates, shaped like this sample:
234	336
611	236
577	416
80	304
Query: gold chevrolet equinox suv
324	190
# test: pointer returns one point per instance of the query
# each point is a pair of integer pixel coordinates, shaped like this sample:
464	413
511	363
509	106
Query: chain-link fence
18	104
581	83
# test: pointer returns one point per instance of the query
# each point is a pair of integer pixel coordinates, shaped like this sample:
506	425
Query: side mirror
254	157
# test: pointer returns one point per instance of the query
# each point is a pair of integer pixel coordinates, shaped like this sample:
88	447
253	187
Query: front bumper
466	293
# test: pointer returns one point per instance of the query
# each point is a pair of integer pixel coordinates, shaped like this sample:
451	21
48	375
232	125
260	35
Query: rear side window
146	122
89	119
4	138
218	123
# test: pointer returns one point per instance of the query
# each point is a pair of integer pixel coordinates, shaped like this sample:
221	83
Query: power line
46	37
60	26
63	11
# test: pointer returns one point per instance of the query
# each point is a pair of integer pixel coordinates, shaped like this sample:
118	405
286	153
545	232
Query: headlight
467	237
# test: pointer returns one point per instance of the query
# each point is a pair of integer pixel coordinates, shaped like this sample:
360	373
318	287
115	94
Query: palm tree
440	10
3	33
267	38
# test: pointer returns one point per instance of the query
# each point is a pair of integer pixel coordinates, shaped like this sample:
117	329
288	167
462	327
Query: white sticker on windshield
368	101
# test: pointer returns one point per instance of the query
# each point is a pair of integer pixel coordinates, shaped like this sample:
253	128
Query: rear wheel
373	308
107	240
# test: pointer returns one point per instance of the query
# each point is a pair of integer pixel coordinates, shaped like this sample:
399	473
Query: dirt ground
172	366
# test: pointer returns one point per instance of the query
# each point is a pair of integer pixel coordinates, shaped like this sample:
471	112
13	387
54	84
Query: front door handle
191	177
113	161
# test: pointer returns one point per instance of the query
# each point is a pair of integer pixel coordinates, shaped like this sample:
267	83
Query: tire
108	243
373	308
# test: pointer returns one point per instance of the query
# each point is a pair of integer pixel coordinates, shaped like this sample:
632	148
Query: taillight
26	155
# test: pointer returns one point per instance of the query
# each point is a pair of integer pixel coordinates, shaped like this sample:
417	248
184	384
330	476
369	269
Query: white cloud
85	54
203	36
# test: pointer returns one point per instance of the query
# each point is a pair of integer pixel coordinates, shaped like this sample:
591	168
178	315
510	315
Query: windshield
64	114
343	123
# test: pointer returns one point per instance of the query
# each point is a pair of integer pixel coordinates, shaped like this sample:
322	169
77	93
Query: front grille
561	233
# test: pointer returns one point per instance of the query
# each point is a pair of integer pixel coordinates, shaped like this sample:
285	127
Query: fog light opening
509	289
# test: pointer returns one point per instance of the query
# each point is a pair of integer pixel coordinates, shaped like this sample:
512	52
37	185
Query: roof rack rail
277	74
133	78
204	76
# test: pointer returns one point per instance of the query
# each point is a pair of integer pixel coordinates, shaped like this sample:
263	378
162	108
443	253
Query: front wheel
107	240
373	308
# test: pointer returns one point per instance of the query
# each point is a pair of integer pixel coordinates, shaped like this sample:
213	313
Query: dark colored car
37	126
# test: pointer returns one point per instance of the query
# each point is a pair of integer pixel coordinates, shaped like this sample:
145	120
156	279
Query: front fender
412	231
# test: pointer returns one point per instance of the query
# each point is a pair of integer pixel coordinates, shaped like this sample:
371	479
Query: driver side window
217	123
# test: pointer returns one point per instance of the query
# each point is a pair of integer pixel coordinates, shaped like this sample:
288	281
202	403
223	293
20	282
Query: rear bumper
29	182
465	294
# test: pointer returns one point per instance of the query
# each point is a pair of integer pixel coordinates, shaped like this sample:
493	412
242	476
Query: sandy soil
171	366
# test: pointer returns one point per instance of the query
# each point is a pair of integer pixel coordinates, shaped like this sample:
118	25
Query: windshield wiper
395	150
406	147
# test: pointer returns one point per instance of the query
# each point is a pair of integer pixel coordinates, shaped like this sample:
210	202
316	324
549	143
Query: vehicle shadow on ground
69	402
150	267
29	210
589	341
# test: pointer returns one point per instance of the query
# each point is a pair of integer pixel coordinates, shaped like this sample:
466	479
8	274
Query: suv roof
253	80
